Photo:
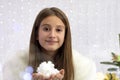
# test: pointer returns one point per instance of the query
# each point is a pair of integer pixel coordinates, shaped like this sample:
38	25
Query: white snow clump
46	69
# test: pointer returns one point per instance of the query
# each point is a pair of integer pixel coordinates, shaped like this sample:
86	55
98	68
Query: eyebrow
50	25
60	26
45	25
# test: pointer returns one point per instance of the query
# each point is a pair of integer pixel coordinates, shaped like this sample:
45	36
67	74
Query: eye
46	29
59	30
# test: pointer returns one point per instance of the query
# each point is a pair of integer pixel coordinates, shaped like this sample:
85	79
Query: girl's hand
58	76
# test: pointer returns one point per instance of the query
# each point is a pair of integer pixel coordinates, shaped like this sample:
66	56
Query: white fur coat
84	68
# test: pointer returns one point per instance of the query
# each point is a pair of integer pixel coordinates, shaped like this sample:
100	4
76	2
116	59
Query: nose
52	34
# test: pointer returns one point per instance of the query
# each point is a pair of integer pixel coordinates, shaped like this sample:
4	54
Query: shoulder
84	67
18	58
81	58
14	65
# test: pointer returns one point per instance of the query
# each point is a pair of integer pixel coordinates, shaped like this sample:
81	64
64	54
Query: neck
48	55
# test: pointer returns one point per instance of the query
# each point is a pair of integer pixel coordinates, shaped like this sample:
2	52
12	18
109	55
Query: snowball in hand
47	68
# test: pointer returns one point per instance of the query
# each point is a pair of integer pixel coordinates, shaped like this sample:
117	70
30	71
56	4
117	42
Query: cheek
40	37
41	34
40	40
62	37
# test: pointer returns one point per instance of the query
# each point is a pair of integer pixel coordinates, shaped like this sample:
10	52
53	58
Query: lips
51	41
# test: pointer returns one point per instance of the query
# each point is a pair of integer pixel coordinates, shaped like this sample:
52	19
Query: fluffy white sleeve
85	68
14	66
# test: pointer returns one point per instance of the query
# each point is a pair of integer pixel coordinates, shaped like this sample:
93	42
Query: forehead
53	20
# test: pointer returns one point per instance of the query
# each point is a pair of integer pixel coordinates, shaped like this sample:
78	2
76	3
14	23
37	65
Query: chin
51	49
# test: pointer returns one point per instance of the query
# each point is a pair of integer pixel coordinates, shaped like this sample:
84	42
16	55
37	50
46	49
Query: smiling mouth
51	41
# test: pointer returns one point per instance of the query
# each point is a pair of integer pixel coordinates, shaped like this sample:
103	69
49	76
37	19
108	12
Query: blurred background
95	25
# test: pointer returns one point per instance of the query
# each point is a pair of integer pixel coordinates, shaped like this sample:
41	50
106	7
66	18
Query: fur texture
84	68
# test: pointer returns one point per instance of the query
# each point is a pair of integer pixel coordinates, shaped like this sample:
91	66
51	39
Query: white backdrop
95	25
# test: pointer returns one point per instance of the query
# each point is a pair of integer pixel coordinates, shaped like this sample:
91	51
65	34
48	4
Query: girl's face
51	33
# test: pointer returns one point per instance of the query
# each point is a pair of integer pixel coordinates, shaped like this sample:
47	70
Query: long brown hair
63	59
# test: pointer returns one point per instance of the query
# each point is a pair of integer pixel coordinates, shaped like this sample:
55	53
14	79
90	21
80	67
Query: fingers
37	76
34	76
62	72
58	76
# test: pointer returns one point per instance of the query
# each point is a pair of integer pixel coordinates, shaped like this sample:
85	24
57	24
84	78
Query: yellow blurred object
111	76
